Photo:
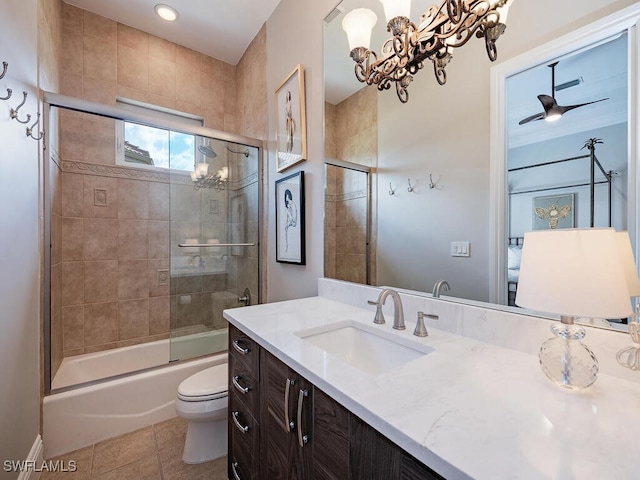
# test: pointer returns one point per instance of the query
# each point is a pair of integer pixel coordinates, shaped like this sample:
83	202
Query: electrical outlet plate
460	249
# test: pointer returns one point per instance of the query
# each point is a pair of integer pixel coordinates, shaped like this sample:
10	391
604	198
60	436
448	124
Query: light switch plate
460	249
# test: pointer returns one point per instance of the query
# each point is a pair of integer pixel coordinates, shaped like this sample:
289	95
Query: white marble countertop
467	409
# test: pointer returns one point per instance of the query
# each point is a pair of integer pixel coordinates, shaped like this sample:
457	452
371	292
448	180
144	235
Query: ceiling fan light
553	117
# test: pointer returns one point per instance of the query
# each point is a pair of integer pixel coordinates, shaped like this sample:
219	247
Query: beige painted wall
448	136
20	245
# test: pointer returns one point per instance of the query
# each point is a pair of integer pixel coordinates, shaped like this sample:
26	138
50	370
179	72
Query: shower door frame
50	100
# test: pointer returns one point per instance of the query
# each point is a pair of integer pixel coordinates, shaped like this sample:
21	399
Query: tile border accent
343	197
114	171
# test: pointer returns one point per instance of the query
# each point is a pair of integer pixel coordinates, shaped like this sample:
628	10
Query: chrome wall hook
5	65
431	184
30	130
392	191
9	92
410	188
14	112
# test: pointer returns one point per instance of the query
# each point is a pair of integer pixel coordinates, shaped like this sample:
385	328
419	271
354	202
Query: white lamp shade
629	264
358	24
396	8
202	169
574	272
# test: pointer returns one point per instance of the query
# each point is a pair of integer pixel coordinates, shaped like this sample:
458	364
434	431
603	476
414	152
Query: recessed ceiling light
166	12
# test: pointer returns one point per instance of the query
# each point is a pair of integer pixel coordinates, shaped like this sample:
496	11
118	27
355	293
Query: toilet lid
207	384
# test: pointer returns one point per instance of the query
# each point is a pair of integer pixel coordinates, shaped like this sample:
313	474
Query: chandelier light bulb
396	8
358	24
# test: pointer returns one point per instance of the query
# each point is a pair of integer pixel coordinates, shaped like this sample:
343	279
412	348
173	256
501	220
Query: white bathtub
88	414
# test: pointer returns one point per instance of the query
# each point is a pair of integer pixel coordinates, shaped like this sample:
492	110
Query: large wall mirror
440	162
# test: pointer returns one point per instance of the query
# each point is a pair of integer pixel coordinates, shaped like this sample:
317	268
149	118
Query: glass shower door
214	231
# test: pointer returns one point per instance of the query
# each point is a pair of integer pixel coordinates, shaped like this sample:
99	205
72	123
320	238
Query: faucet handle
379	318
421	330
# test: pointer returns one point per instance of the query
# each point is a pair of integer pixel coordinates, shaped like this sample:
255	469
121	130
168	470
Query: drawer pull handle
240	388
242	428
239	349
302	439
288	424
234	469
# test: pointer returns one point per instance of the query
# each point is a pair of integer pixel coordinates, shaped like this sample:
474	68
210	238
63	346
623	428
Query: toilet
202	400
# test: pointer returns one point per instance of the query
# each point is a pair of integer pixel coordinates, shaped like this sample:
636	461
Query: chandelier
442	28
203	179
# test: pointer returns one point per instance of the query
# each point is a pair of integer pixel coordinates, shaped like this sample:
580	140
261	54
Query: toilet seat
208	384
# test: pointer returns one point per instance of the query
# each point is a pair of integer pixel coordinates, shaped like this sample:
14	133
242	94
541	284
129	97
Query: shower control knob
246	298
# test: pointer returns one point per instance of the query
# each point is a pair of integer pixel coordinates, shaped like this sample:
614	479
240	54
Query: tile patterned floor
151	453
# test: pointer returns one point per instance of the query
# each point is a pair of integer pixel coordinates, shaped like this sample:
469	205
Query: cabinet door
285	421
331	424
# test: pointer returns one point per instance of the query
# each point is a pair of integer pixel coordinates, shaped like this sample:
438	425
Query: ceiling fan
553	111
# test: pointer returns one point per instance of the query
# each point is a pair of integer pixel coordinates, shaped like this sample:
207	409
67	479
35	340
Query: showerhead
207	151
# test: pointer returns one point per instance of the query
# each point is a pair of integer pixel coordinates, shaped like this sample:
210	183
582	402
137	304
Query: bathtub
82	416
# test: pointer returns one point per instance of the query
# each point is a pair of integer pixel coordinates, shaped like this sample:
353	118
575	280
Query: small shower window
151	147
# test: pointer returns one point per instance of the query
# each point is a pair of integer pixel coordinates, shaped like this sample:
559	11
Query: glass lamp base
566	360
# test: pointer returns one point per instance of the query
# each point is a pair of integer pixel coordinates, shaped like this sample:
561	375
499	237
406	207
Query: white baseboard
35	457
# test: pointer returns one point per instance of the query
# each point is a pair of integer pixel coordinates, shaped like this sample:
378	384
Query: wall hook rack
410	188
431	184
392	191
30	130
14	112
5	65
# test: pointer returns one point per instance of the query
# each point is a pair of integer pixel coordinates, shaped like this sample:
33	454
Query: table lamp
574	273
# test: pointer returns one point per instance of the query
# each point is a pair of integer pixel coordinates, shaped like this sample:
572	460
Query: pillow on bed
514	255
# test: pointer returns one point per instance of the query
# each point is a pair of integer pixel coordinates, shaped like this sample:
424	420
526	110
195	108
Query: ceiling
221	29
602	69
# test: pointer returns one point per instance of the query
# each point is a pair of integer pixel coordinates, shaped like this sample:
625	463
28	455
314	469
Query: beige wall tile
101	91
100	197
101	281
56	288
187	58
133	239
99	26
162	49
133	279
72	194
99	58
71	136
133	38
72	283
56	239
159	315
100	324
70	83
100	239
158	201
159	277
162	77
99	140
159	239
72	239
72	17
73	327
133	319
133	69
72	51
133	199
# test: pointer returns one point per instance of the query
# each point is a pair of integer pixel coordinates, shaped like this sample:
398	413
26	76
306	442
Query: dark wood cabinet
281	427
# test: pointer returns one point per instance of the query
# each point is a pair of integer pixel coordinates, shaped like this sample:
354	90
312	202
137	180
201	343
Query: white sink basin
366	347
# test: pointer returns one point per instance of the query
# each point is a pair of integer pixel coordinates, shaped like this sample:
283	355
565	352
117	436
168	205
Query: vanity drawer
243	427
244	350
244	385
241	465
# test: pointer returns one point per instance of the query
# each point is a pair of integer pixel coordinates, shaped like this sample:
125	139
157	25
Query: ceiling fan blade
537	116
571	107
547	102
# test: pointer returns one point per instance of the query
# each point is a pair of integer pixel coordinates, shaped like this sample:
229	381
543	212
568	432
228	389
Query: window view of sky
167	149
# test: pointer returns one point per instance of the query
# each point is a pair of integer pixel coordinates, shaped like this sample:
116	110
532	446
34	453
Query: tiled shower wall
110	223
351	135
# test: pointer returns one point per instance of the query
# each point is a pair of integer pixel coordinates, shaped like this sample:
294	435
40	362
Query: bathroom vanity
455	408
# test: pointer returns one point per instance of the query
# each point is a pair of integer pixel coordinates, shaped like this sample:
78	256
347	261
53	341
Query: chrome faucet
440	285
398	314
200	263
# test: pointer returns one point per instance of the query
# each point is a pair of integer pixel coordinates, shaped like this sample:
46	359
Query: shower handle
245	300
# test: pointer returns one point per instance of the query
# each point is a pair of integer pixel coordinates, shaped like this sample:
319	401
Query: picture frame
290	225
554	211
291	125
